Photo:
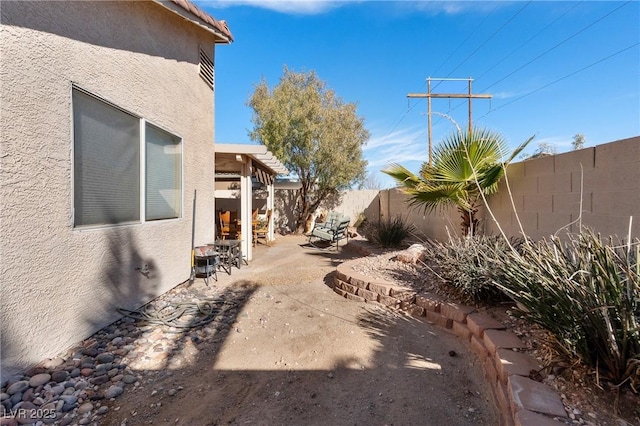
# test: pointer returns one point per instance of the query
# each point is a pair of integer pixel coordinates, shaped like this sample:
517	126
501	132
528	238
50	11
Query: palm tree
465	166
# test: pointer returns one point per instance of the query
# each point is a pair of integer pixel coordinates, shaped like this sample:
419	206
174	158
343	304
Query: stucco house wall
59	283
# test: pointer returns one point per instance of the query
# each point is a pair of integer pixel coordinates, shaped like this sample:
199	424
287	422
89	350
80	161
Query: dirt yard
291	351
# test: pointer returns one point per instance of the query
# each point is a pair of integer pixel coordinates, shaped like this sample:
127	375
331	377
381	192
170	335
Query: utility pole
429	95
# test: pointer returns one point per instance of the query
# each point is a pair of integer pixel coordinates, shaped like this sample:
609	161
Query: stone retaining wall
521	400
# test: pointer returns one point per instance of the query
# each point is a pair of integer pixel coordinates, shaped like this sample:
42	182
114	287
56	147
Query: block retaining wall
521	400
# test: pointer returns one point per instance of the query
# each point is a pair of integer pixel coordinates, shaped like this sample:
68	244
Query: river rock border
521	400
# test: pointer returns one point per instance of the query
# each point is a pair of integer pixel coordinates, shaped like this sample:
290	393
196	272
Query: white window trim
143	171
143	179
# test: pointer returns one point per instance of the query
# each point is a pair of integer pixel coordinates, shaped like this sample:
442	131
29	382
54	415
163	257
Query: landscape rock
129	379
39	379
53	363
85	408
113	391
18	387
59	376
104	358
412	255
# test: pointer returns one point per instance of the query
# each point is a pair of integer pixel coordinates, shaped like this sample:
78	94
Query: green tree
314	133
464	165
578	141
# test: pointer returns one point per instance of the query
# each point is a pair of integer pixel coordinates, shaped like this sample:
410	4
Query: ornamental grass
586	292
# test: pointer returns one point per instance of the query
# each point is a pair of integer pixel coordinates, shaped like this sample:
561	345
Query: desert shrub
387	233
466	264
587	293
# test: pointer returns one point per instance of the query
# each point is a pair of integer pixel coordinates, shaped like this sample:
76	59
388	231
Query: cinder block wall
350	203
435	225
354	202
547	193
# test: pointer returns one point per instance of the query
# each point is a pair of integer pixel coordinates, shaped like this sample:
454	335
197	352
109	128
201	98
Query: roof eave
193	14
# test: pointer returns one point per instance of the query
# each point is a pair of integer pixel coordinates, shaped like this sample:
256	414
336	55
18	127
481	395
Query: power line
547	51
557	45
465	40
562	78
479	47
490	37
525	65
452	53
401	118
429	95
529	40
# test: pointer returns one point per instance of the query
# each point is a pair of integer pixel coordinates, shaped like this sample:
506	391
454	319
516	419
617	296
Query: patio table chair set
226	251
230	227
221	254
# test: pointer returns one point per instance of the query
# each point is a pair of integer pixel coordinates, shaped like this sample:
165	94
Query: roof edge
195	15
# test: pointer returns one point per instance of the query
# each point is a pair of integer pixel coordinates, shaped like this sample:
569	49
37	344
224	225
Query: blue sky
554	68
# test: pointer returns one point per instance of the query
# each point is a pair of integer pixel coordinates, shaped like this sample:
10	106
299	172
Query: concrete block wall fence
521	400
548	193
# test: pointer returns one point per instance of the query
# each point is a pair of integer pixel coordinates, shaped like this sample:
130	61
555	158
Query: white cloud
451	7
398	147
505	95
304	7
315	7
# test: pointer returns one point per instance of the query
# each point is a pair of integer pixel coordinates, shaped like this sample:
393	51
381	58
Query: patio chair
331	219
236	228
330	231
227	224
262	230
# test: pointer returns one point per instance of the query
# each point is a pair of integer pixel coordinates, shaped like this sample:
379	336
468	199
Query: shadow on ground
290	351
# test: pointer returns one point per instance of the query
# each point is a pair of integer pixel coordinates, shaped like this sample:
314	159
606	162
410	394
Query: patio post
246	197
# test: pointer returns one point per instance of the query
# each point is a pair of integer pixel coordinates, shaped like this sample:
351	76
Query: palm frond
518	150
402	176
435	197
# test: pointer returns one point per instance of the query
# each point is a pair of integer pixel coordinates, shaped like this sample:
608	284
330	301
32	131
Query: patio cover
245	161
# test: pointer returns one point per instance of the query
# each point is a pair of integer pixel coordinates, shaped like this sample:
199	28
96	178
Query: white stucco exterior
60	284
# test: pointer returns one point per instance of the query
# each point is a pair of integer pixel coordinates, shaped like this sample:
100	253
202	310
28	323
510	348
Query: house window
109	187
163	174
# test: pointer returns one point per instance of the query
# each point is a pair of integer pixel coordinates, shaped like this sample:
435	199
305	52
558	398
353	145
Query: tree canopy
578	141
313	133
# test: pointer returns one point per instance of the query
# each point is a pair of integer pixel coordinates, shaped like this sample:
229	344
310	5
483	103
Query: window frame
143	122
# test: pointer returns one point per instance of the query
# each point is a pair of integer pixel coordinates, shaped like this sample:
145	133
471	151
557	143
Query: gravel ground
285	349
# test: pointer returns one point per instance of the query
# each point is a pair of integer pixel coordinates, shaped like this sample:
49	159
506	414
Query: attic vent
206	68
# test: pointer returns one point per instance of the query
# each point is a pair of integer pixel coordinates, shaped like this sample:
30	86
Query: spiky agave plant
464	166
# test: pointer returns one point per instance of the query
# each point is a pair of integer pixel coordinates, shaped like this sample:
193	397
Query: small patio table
230	253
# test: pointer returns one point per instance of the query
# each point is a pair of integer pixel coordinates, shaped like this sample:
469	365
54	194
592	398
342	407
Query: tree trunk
302	216
303	208
307	207
469	221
